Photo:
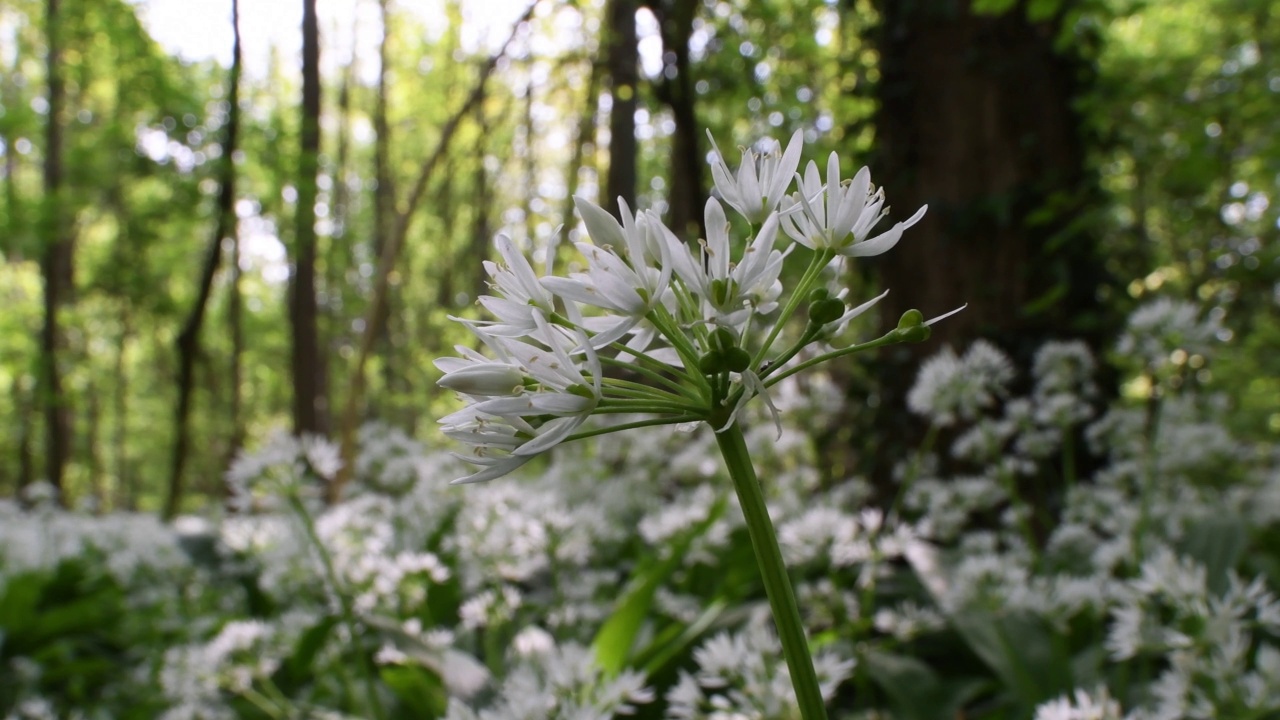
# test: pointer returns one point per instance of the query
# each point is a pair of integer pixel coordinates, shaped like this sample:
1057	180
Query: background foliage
1174	110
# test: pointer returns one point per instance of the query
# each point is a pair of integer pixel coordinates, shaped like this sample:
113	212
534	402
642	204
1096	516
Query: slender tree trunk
25	413
126	490
338	255
55	266
310	396
622	54
481	233
235	328
530	162
93	442
384	197
994	146
687	194
584	131
390	253
188	344
16	226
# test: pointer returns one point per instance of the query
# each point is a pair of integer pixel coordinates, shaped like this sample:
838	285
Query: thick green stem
782	599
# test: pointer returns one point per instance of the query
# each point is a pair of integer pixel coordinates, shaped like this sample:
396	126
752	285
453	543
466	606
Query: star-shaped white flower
508	429
626	288
762	179
839	216
731	291
519	292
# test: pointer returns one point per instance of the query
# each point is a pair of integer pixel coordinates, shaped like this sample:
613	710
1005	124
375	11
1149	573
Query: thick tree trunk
622	56
310	396
55	266
188	343
976	119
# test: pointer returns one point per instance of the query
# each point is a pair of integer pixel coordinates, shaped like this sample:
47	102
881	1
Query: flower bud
484	379
736	359
818	294
723	338
826	311
916	334
711	363
911	318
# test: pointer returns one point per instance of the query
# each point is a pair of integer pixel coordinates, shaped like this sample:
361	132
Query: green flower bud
712	363
818	294
918	333
826	311
722	338
910	319
736	359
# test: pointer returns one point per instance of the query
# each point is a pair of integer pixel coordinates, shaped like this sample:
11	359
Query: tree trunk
622	54
188	343
55	266
584	131
310	396
687	194
390	254
976	119
126	490
384	206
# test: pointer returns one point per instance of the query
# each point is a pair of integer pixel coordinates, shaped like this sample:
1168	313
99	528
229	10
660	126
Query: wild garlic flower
762	179
652	324
839	216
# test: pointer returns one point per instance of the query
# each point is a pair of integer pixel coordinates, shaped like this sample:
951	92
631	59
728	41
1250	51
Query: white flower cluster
741	675
698	324
550	682
1165	326
951	388
1081	706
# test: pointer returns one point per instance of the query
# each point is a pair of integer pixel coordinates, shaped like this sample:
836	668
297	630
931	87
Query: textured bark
310	396
188	343
55	266
622	56
976	119
687	194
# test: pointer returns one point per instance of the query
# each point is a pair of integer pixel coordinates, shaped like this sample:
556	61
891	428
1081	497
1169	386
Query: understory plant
678	333
612	580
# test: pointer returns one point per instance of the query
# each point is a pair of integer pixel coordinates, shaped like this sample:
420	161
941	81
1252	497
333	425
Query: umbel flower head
668	330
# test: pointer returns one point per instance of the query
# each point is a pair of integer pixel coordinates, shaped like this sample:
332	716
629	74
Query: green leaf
421	690
915	691
297	669
992	7
617	636
1021	650
677	637
1218	544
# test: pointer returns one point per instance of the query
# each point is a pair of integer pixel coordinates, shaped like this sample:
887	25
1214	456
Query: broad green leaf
297	669
1218	544
1021	650
419	689
617	636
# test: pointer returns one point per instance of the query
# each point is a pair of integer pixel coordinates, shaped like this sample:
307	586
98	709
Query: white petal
602	227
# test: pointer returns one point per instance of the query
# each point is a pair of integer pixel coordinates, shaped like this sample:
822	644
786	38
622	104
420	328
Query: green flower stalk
699	331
